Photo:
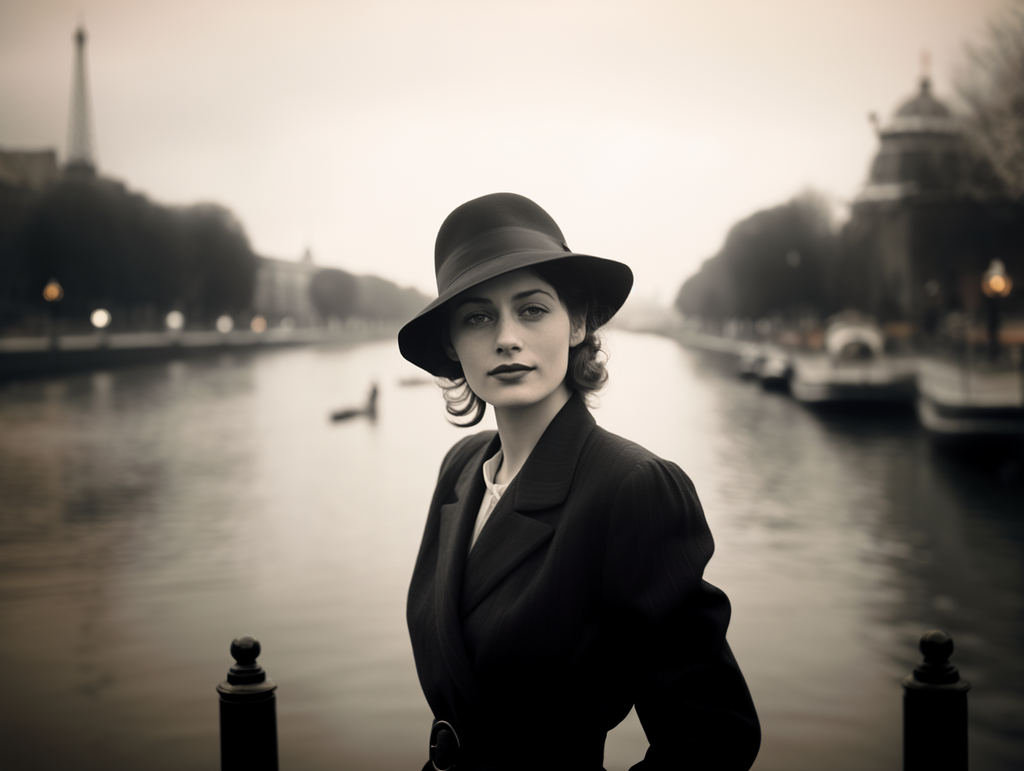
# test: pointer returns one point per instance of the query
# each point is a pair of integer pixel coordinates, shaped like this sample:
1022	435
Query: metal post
935	710
248	719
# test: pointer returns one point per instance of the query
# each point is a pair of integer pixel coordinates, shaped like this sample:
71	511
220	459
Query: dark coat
582	597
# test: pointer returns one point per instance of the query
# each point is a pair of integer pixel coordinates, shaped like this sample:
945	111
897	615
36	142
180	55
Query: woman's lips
510	372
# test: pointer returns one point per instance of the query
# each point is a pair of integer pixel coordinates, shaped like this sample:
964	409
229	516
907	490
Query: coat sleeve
690	696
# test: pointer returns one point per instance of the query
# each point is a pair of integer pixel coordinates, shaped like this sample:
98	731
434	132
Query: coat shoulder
617	457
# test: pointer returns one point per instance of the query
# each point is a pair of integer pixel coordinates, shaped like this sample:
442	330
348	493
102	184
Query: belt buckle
446	749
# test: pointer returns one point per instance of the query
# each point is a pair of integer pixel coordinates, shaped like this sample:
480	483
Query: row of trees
341	295
112	248
108	247
777	261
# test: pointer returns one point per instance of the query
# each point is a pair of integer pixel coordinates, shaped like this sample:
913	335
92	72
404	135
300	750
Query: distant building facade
282	290
927	223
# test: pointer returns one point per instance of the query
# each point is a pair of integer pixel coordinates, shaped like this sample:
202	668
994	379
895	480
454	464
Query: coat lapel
514	530
456	527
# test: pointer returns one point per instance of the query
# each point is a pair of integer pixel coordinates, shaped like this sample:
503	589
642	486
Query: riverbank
955	397
41	356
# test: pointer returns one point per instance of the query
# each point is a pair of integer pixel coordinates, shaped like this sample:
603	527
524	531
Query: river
150	514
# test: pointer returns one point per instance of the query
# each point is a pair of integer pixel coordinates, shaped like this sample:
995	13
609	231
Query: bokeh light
995	282
258	324
53	292
101	318
225	323
175	320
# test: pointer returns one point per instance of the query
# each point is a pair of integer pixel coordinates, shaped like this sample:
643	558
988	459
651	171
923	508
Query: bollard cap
246	671
935	669
245	650
246	679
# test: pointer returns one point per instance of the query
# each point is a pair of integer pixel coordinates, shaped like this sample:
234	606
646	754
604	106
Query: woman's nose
508	336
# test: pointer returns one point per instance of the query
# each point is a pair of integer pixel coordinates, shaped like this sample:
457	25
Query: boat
776	371
961	399
854	367
751	361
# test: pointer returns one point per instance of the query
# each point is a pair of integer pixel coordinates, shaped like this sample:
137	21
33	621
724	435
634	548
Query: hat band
490	245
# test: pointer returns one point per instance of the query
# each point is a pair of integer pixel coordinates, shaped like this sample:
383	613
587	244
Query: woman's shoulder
615	457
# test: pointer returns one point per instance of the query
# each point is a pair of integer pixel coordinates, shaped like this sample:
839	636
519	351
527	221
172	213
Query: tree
334	293
992	86
218	262
383	300
775	261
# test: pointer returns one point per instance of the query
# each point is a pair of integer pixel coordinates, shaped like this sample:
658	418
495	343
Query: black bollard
248	718
935	710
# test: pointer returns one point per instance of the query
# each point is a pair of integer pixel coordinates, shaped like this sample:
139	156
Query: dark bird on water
370	410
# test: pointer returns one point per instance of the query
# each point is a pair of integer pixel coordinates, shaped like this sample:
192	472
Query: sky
351	128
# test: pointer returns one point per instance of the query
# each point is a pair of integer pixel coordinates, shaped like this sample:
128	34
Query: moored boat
955	399
854	367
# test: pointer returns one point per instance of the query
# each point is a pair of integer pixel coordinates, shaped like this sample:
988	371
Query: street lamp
53	291
995	283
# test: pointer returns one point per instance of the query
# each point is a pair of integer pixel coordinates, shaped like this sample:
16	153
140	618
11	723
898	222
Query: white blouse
491	496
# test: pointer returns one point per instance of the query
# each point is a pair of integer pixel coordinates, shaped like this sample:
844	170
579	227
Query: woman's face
512	336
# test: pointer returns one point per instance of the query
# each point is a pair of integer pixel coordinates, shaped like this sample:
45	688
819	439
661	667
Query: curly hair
586	371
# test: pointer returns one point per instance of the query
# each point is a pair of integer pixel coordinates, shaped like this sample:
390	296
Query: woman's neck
520	428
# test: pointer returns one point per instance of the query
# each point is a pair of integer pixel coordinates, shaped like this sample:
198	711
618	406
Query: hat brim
421	340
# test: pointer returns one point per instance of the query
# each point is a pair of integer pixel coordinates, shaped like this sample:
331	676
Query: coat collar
456	528
513	530
546	476
512	533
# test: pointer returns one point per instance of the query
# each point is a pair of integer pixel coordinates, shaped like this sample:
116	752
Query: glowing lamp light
225	324
53	292
258	324
995	282
100	318
175	320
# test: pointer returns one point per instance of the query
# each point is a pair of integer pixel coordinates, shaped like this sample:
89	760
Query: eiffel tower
81	160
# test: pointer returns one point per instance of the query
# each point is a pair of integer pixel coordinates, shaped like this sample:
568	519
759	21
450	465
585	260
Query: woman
559	581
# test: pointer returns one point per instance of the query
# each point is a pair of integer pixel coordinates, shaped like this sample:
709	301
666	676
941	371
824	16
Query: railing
934	711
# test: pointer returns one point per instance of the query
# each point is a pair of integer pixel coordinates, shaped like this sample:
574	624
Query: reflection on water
150	515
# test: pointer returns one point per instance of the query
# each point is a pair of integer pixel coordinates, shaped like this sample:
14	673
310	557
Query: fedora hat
488	237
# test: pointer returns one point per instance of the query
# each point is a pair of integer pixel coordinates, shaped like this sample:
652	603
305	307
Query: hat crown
472	219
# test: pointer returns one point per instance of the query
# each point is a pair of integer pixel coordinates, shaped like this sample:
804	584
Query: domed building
922	151
926	224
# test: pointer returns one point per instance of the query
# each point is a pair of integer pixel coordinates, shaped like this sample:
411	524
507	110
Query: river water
149	515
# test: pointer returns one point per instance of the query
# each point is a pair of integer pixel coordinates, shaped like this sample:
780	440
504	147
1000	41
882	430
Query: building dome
922	114
921	151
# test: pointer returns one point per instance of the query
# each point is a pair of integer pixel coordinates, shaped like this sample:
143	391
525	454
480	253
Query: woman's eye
475	319
534	311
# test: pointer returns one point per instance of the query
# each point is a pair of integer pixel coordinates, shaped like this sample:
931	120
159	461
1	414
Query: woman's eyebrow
473	301
528	292
487	301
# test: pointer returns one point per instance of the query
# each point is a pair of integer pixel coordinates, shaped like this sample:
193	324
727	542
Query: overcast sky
645	127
